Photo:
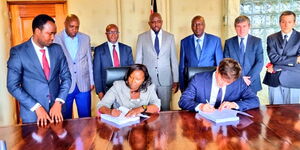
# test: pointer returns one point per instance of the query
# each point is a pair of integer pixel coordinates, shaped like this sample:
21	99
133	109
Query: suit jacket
285	59
102	61
27	83
211	54
253	60
199	90
81	68
163	68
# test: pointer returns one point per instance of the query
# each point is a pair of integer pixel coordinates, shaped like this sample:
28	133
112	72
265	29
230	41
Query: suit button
75	72
74	63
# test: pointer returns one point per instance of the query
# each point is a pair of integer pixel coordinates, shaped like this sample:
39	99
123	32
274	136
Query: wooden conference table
273	127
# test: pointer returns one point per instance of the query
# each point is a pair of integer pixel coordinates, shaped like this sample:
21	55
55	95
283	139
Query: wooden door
22	14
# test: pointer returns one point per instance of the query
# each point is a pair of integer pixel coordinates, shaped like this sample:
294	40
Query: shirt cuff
197	108
35	107
60	100
236	105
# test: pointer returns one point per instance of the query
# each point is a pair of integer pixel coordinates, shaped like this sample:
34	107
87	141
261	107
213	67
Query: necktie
45	63
284	41
242	50
219	99
115	56
156	43
198	49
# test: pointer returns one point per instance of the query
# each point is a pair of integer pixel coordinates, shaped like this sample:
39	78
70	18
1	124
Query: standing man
284	53
248	51
38	75
156	49
198	50
110	54
77	49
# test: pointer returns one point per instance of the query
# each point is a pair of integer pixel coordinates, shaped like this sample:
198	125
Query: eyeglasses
113	32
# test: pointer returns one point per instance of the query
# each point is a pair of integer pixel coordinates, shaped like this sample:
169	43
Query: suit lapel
68	55
236	48
121	54
151	43
78	48
192	47
207	86
34	58
290	42
52	57
107	54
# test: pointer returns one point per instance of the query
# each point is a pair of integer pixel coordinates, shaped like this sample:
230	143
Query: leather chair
191	71
113	74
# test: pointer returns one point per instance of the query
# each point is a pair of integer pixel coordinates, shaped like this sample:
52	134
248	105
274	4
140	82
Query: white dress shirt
153	36
244	41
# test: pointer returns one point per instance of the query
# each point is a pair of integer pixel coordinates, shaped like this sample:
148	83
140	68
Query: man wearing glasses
109	54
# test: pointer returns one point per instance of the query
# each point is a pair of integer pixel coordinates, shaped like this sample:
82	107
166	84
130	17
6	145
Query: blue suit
199	90
27	83
102	60
253	60
211	55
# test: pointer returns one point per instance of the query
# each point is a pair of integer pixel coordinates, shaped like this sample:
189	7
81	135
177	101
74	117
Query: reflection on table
273	127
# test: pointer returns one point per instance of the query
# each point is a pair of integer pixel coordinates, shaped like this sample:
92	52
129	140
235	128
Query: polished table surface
273	127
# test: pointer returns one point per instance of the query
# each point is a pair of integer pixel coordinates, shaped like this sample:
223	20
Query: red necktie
116	58
45	63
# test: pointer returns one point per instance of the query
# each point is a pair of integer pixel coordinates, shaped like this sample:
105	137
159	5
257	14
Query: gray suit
81	68
27	83
163	68
285	59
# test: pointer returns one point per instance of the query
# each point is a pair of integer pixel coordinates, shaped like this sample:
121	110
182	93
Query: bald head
155	22
72	25
110	26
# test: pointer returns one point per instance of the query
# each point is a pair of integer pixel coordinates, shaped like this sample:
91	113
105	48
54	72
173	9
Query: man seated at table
220	89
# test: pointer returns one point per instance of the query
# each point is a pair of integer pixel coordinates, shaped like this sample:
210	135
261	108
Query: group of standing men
42	78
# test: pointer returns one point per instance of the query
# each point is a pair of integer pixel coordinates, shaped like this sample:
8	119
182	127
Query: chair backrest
191	71
113	74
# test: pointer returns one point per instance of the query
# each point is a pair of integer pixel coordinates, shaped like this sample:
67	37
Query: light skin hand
115	112
42	116
247	80
134	112
298	60
207	108
270	69
227	105
100	95
55	112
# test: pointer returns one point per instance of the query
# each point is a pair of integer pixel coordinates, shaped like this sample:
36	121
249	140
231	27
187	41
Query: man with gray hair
247	50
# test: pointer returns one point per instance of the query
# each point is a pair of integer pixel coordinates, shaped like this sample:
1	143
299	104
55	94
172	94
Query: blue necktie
242	50
198	49
219	99
156	43
284	41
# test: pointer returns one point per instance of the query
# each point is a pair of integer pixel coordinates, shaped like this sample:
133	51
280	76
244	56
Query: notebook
121	120
226	115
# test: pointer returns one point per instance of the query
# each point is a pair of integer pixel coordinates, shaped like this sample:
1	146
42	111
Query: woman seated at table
135	92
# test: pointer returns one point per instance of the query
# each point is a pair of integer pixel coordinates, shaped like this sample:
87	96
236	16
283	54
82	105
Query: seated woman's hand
115	112
134	112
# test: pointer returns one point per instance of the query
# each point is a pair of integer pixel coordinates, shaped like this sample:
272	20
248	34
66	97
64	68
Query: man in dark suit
248	51
222	89
198	50
109	54
77	49
38	75
283	50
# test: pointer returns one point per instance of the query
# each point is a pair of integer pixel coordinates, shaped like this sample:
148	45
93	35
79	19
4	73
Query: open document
121	120
226	115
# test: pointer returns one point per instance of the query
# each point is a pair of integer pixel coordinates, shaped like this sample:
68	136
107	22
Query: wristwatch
145	108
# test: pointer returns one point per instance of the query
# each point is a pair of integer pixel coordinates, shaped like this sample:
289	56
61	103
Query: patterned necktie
198	49
115	56
219	99
284	41
156	43
242	51
45	63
